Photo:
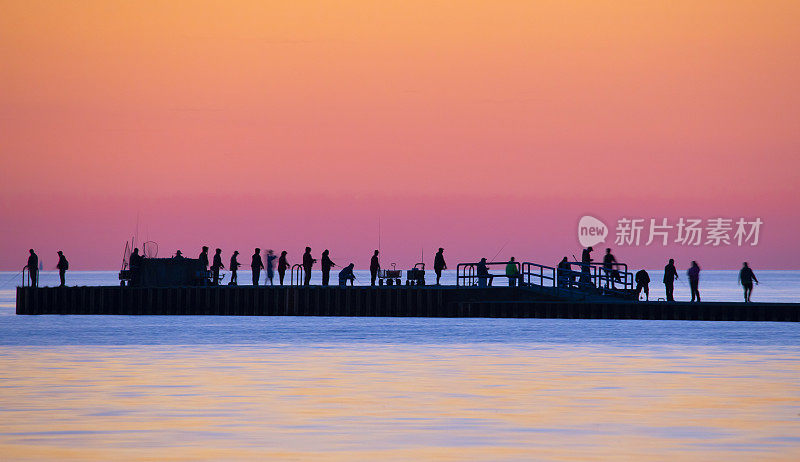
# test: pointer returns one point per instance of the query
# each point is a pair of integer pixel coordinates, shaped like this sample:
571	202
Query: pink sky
457	124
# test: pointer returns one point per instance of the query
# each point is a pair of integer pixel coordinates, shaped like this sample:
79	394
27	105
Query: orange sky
510	119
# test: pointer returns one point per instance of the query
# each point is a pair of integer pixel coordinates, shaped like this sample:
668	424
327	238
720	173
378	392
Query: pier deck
386	301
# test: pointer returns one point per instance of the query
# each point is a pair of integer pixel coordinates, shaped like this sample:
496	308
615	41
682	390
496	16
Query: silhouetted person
234	267
512	273
374	267
609	262
178	254
564	273
586	259
326	264
203	257
134	260
670	275
63	266
283	265
346	274
746	278
271	265
483	274
308	262
33	268
216	266
694	280
439	264
643	283
256	265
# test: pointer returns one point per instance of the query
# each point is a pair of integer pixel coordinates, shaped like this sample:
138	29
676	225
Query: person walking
670	275
256	265
270	266
643	283
308	263
746	278
33	268
216	266
374	267
63	266
326	265
234	267
439	264
283	265
694	280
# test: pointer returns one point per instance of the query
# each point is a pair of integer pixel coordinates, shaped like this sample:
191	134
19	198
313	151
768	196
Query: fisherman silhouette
33	268
346	274
512	273
439	264
326	264
63	266
643	283
694	280
216	266
283	265
374	267
256	265
746	278
270	266
234	267
670	275
204	257
483	274
609	262
586	260
564	273
308	262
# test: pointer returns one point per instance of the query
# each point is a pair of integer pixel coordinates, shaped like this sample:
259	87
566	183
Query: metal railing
467	273
536	274
615	279
298	269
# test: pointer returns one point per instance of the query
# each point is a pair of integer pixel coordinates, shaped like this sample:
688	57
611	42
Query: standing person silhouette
204	257
374	267
234	267
564	273
33	268
283	265
609	263
63	266
326	264
586	260
746	278
439	264
670	275
256	266
308	262
216	266
270	266
694	280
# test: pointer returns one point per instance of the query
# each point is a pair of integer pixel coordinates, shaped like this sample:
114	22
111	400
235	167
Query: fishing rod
498	252
11	278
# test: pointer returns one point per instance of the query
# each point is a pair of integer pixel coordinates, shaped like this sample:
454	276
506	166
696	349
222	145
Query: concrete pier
412	301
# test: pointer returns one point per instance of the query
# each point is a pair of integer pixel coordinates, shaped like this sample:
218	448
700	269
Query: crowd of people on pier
609	271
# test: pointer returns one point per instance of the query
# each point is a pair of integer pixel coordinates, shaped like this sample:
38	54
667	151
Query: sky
487	128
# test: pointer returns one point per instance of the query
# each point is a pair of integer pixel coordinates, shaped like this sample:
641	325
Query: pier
385	301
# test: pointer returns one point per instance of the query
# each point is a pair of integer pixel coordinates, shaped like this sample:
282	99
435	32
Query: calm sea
240	388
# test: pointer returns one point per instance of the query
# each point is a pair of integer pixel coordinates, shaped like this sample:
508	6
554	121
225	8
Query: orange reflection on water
398	402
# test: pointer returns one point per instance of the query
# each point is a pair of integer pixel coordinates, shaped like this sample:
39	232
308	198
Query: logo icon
591	231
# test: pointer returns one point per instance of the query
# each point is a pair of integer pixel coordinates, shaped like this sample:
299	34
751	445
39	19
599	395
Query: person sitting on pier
586	260
670	275
63	266
308	262
33	268
216	266
439	264
234	267
564	273
256	265
694	280
609	263
483	274
512	273
374	267
643	283
346	274
746	278
283	265
270	266
203	257
326	264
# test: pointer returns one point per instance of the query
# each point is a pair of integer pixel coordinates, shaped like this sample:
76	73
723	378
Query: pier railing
540	275
298	272
615	280
467	273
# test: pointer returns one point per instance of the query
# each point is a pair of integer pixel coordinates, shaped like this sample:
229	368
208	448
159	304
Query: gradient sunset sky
463	124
